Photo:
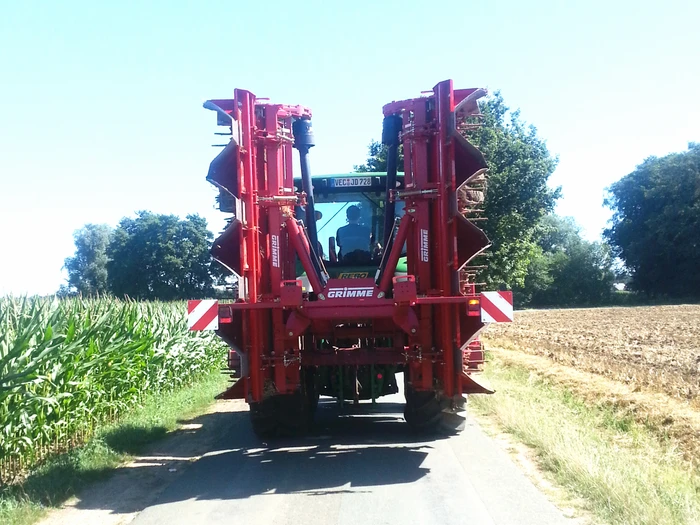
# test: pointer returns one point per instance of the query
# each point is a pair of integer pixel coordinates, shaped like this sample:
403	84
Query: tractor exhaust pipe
390	138
304	141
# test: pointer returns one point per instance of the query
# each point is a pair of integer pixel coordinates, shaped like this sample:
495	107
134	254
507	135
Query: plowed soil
655	347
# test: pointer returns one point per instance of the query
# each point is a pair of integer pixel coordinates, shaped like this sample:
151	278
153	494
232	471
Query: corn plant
68	365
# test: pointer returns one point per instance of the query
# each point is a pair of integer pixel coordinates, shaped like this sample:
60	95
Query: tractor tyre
311	389
281	416
423	411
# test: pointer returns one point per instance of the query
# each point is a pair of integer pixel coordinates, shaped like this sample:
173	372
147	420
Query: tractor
347	282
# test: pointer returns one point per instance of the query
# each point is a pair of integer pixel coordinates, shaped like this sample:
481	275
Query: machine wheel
281	416
311	388
426	412
423	410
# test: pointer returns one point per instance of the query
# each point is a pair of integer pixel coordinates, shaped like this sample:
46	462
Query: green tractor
336	197
339	200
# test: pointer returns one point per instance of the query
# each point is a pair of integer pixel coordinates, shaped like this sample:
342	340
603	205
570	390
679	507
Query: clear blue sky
100	102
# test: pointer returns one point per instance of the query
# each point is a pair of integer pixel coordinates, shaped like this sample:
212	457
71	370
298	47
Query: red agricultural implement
394	292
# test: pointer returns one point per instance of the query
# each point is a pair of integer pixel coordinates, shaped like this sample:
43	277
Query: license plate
351	182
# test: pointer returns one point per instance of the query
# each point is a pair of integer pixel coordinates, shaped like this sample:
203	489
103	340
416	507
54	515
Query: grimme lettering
275	251
339	293
424	246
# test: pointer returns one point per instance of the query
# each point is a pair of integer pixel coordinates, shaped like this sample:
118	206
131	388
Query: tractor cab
350	222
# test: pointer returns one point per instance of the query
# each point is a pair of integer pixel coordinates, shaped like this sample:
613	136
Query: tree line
655	228
652	244
148	257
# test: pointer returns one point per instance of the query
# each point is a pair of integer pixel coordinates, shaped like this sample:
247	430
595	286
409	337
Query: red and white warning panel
496	307
203	314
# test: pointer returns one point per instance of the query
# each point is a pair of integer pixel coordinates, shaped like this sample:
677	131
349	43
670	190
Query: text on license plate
351	182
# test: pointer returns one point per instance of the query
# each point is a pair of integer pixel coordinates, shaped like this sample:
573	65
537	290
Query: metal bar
303	141
392	261
273	182
444	300
388	247
353	358
245	101
443	265
295	236
419	243
319	310
248	306
324	310
391	127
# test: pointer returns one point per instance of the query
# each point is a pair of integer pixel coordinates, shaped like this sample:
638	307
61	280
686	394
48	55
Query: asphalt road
362	466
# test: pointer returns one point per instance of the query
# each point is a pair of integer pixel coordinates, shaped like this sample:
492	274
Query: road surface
361	467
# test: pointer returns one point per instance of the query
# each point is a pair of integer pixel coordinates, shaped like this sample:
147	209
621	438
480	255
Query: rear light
225	314
473	308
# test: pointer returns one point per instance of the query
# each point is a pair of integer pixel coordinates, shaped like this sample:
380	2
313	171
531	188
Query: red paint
192	304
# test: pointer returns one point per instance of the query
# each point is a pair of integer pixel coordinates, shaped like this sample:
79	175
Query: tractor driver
353	239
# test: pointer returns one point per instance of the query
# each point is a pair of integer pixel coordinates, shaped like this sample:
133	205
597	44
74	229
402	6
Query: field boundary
672	421
652	348
600	442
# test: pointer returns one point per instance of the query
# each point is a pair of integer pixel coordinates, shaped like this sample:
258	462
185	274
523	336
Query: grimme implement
393	292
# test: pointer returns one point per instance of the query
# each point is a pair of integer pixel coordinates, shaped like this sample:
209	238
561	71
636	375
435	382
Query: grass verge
619	467
63	476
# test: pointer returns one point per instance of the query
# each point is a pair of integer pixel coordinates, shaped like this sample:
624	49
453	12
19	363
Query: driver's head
353	214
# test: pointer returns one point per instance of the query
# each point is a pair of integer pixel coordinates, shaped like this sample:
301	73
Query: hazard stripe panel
203	314
496	307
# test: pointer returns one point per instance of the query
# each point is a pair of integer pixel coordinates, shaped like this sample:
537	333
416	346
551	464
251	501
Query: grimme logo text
275	251
337	293
424	245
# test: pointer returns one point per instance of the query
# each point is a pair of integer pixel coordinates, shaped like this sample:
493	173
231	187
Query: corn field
67	365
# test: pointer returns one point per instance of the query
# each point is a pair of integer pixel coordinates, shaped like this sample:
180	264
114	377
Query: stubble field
651	347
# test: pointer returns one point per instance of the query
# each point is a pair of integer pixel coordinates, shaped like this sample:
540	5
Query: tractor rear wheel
279	415
423	411
428	412
311	388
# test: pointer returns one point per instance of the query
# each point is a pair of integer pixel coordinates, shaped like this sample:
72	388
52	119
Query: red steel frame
425	314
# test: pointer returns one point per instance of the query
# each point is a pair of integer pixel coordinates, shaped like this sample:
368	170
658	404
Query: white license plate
351	182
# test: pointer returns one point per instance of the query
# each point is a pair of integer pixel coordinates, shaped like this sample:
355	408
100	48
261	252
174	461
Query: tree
160	257
578	272
87	269
655	226
376	159
518	195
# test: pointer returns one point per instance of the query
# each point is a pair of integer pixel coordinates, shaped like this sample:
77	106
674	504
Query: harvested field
651	347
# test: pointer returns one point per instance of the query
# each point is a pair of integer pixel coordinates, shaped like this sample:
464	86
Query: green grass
63	476
622	470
